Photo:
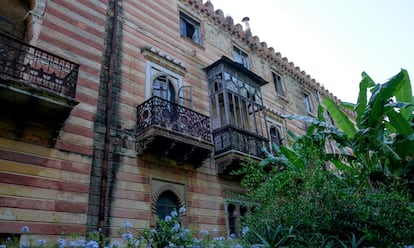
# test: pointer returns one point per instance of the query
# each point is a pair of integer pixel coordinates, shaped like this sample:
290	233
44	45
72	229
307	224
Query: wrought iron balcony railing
173	117
231	138
33	66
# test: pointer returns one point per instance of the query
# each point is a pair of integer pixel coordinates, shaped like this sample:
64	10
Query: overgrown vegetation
358	194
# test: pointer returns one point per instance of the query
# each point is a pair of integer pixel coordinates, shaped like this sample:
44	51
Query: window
163	87
275	136
241	57
166	203
308	103
277	80
190	28
235	213
232	217
163	83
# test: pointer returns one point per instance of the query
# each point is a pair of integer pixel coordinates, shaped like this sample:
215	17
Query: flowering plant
169	232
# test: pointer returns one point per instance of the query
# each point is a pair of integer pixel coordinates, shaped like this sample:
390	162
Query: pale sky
334	41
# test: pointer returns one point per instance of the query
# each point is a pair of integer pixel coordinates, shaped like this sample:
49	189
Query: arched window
166	203
163	87
275	137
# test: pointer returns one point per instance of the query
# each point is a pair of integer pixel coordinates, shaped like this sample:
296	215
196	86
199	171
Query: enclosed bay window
237	113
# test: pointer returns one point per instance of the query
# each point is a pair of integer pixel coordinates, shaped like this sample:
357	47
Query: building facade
116	110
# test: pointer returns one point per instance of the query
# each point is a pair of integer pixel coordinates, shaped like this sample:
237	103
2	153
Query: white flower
176	226
127	236
126	224
61	242
182	210
245	230
174	213
42	242
114	244
168	218
25	229
136	243
77	243
92	244
204	232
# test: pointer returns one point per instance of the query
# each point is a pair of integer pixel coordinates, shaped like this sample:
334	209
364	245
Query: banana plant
381	136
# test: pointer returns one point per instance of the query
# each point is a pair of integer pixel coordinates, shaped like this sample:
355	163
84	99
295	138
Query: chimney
247	30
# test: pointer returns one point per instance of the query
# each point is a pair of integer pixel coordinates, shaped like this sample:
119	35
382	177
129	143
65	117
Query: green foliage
384	138
325	208
356	198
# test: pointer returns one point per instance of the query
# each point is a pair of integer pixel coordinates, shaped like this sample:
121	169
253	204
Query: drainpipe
108	112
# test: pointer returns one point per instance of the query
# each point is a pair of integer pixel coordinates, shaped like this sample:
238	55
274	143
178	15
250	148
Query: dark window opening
231	209
277	80
190	28
308	103
164	88
241	57
166	203
275	137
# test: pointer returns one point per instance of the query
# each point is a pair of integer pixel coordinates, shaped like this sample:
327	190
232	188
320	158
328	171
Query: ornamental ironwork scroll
171	116
36	67
231	138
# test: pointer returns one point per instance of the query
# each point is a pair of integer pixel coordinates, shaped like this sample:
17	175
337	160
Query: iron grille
231	138
36	67
171	116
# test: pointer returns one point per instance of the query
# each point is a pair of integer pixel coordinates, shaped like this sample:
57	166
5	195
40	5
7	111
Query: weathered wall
59	189
47	188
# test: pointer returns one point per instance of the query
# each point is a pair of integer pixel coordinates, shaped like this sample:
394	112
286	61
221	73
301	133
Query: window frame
235	210
278	82
153	71
244	57
165	196
308	103
278	134
185	22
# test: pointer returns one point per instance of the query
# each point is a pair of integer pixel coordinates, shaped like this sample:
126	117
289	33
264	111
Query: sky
334	41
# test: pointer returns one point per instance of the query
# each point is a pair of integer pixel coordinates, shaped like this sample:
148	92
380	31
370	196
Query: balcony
37	89
234	145
168	130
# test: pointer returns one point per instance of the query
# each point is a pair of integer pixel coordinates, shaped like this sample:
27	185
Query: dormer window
190	28
241	57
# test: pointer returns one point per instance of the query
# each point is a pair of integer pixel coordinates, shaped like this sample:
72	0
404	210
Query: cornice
159	57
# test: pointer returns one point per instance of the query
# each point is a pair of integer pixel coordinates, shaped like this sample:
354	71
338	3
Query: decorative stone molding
163	59
159	186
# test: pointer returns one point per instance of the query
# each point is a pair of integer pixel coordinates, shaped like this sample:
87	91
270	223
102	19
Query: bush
322	207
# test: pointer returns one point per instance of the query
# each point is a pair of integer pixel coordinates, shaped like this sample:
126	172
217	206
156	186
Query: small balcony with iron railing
234	146
166	130
36	86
